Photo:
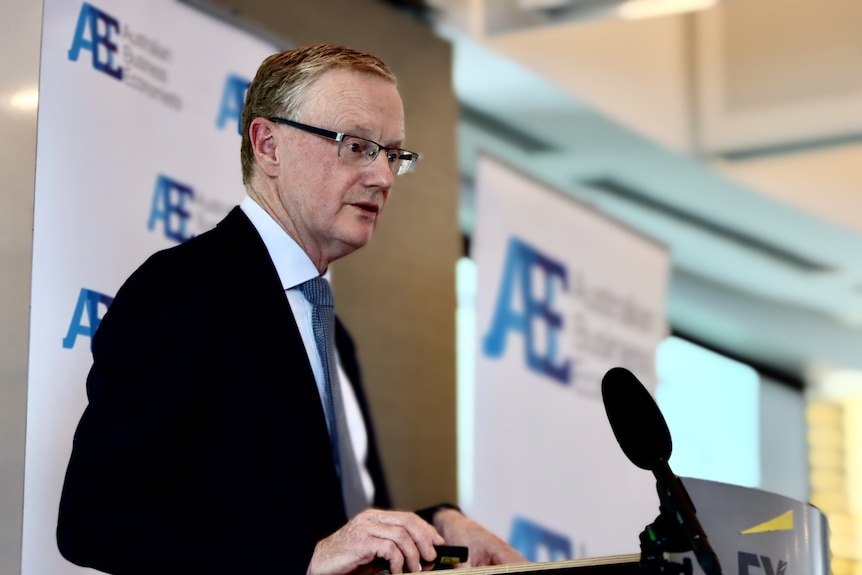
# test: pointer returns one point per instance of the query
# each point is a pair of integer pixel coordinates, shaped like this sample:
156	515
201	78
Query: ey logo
232	98
520	309
94	32
86	308
170	207
751	564
536	543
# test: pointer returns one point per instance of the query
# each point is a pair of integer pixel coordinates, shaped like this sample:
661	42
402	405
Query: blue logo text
94	33
232	98
170	206
88	304
519	309
536	543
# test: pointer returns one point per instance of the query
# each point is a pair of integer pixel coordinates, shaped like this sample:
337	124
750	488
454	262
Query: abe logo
525	305
232	99
536	543
95	33
86	318
170	207
751	564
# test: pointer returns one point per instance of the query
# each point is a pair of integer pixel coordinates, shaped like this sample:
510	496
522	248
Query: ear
264	145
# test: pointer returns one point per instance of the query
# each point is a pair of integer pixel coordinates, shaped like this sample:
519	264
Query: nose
381	171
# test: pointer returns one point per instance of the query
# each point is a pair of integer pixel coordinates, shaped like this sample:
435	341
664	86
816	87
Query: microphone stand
675	530
660	537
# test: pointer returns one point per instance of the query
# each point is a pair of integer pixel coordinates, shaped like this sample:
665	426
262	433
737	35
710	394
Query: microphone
642	433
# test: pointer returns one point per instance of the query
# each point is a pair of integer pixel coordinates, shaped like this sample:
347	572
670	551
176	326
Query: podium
753	532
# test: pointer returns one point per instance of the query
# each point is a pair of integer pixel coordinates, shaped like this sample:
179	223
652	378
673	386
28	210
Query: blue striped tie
317	292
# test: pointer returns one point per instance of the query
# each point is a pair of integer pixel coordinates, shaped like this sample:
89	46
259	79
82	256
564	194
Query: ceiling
739	151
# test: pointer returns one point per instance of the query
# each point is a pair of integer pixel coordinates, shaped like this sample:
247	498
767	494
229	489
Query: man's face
328	206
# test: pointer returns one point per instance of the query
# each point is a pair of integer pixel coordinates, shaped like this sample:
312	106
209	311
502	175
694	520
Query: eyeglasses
358	151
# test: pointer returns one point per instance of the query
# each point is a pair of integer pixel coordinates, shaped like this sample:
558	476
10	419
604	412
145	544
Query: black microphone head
635	418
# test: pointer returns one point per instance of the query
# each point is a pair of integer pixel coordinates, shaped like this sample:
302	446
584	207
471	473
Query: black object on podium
642	433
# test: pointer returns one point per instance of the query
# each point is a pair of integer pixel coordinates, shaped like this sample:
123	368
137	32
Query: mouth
369	208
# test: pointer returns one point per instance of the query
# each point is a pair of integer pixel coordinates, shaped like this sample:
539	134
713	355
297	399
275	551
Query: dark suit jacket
204	447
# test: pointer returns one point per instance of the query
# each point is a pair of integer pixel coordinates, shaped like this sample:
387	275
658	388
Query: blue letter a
88	302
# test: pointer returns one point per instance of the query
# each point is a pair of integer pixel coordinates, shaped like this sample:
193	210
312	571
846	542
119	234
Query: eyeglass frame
340	136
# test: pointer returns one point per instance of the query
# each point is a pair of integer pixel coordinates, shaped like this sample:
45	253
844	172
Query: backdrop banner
563	295
138	150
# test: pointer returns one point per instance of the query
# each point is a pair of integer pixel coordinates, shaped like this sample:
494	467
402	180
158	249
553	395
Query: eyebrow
399	143
362	132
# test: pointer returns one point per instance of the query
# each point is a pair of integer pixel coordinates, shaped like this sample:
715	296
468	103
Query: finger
402	540
389	554
422	535
357	544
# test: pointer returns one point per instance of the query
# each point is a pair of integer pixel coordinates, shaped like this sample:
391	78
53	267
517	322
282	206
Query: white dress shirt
294	267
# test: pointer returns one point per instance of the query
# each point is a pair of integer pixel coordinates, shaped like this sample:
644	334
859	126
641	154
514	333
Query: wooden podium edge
612	565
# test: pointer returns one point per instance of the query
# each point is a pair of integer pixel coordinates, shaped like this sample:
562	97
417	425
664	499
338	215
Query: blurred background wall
20	33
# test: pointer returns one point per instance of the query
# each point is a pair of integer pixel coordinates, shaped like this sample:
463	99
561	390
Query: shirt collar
292	264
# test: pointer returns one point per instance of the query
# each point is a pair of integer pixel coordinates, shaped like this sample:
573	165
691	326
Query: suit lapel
265	313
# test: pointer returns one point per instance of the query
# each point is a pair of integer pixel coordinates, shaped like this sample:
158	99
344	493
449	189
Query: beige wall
397	295
20	33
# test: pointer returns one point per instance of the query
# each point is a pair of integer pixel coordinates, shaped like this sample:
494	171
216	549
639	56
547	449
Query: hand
401	539
484	547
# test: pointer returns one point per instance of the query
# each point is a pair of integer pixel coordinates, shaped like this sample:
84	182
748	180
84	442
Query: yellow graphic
783	522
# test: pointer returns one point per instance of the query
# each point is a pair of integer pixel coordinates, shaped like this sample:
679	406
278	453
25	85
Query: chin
361	234
353	242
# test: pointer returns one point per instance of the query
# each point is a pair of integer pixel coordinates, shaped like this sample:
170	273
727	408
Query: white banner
564	294
138	150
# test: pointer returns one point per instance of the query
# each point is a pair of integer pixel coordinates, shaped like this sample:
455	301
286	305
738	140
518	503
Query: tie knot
316	290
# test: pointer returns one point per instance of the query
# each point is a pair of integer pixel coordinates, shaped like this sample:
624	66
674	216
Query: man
210	443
